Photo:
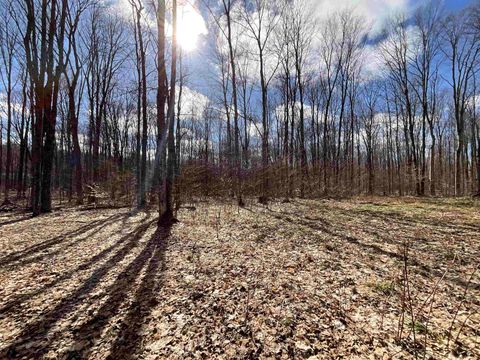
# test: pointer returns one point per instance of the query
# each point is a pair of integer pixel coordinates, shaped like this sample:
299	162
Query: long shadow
37	329
410	221
128	339
399	219
376	249
153	255
411	224
19	256
14	221
14	303
66	246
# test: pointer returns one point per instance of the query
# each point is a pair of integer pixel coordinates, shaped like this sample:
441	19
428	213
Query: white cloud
374	55
16	107
193	103
373	65
254	130
375	12
307	111
245	43
124	9
474	102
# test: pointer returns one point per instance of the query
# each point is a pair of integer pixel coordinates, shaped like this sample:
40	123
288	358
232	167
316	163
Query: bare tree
162	94
427	20
44	35
331	47
168	216
463	51
8	44
396	52
225	25
137	7
302	30
72	74
369	106
260	18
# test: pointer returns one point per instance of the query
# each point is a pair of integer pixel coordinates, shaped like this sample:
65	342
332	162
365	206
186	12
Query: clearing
320	279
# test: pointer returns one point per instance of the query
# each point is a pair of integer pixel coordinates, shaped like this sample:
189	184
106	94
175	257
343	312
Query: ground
364	278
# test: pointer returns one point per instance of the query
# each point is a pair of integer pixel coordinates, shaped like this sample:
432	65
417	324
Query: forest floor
309	279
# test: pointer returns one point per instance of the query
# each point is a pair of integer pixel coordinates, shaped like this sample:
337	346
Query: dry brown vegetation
363	278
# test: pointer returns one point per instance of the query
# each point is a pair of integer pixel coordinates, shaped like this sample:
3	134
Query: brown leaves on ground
306	279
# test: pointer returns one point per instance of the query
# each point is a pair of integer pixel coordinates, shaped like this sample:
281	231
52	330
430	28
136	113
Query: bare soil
365	278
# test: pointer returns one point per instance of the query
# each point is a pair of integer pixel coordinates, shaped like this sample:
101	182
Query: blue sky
457	4
200	61
375	11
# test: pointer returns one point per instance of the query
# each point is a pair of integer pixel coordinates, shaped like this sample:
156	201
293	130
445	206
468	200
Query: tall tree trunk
23	139
76	154
8	163
265	135
303	151
143	168
168	215
237	162
162	92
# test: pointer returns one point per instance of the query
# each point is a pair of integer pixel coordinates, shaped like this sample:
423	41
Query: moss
383	287
419	327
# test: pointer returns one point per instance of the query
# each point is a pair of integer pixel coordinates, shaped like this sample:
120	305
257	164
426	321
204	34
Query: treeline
301	105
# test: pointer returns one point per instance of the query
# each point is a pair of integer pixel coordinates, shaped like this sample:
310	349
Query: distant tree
370	125
137	7
396	52
72	74
428	20
259	18
8	44
463	52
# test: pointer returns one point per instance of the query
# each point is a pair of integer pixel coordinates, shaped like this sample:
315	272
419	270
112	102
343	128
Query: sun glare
190	27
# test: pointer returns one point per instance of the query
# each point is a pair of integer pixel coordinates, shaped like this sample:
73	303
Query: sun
190	26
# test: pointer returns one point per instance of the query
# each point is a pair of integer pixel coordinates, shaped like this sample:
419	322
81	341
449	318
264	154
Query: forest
239	179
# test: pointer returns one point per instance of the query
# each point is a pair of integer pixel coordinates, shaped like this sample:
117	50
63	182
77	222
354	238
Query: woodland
239	179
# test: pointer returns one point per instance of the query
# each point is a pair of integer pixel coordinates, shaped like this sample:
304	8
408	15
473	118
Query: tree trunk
162	93
76	154
168	215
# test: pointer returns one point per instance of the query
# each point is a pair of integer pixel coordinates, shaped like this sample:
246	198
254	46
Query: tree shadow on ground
144	298
14	221
14	303
20	258
441	226
34	332
335	231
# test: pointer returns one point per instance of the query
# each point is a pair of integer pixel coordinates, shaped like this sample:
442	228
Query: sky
457	4
374	11
196	38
